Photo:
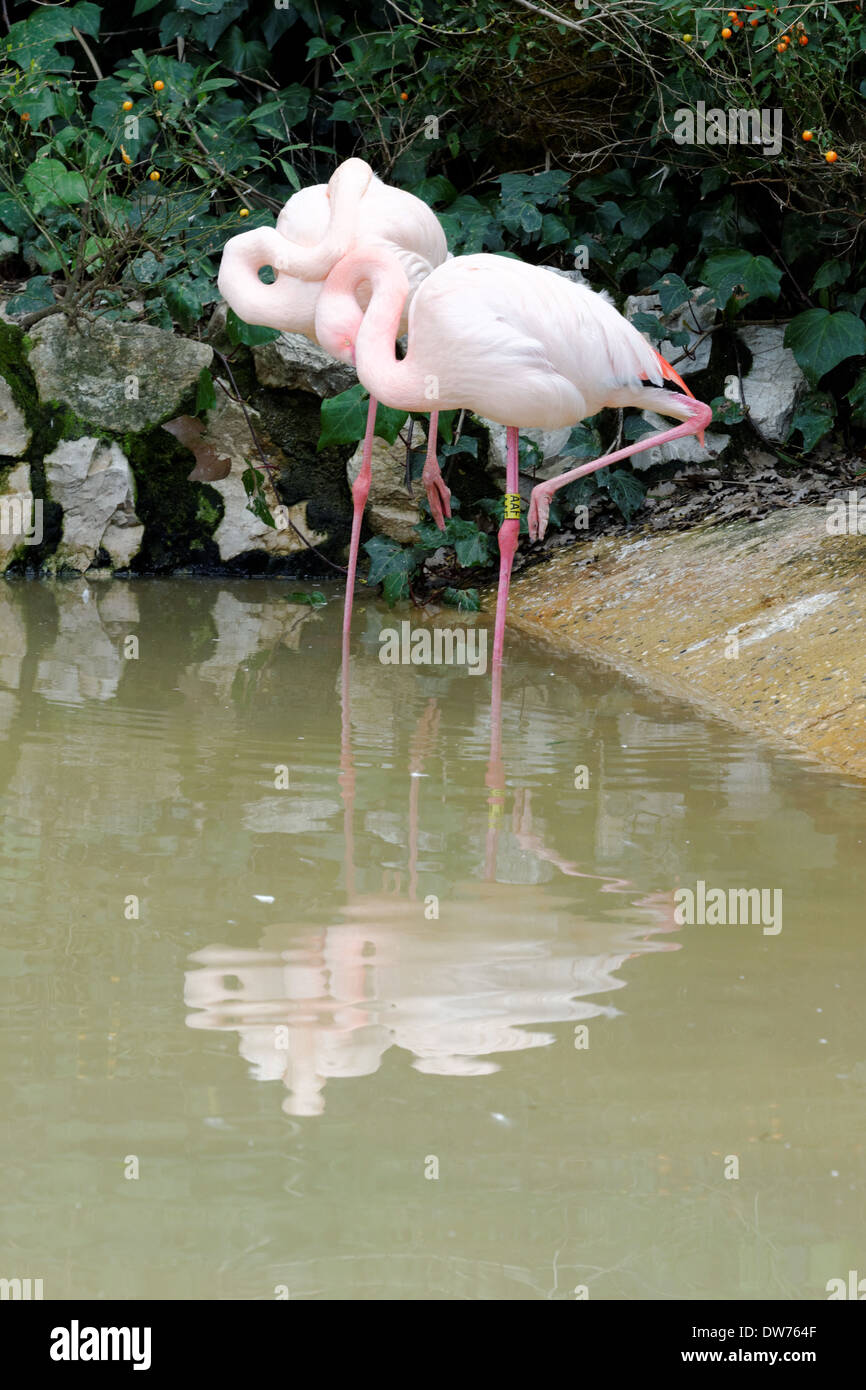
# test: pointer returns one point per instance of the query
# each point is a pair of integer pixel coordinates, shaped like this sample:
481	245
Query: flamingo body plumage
509	341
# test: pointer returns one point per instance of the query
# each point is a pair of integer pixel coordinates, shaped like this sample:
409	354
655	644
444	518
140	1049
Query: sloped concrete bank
762	623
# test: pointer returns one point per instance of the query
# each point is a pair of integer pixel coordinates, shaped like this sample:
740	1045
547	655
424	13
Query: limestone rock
774	383
20	516
295	362
94	368
550	442
693	317
14	434
684	450
240	530
390	511
93	482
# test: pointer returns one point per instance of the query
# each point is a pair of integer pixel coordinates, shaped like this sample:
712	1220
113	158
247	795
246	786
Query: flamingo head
338	319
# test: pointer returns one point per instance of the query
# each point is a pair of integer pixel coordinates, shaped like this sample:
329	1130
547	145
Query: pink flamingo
316	228
509	341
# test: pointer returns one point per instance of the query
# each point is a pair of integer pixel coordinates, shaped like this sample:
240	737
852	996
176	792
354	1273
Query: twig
89	51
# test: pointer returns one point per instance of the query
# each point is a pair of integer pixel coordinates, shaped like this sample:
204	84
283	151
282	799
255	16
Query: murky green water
327	1088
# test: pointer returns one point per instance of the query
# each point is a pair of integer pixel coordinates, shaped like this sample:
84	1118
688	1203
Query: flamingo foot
539	511
438	494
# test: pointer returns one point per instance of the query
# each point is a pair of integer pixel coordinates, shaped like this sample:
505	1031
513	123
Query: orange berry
158	86
803	40
154	176
831	156
726	33
25	116
807	135
404	96
754	23
127	106
732	14
781	47
738	24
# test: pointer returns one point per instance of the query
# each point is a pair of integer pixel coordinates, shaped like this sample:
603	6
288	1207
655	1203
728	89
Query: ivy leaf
472	547
582	443
814	417
820	340
205	395
673	292
36	294
857	397
725	271
316	599
830	273
49	181
249	334
466	600
388	559
318	48
344	419
623	489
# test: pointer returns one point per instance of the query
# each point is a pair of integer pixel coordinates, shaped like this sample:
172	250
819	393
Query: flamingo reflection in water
312	1004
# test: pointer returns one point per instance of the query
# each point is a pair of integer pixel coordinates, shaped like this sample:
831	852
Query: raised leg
509	532
438	495
699	415
360	493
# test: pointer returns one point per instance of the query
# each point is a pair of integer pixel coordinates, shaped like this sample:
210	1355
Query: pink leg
509	532
438	495
539	503
360	492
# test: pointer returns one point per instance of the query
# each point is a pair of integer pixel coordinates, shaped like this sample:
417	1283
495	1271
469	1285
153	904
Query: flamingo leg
360	493
509	532
438	495
539	503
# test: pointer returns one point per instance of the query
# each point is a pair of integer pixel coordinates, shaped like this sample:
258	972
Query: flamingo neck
385	377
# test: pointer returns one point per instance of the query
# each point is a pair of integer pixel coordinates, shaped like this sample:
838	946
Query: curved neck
391	381
346	188
243	257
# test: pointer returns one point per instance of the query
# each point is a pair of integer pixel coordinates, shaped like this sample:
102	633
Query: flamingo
508	341
316	228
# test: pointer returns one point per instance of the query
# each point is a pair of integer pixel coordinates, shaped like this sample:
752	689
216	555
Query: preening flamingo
317	227
508	341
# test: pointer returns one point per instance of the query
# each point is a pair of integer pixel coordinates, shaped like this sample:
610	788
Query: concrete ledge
763	623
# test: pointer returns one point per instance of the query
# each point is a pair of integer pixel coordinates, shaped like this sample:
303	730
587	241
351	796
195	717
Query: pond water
310	997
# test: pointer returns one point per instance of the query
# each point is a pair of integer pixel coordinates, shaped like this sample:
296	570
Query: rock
20	517
14	435
774	383
684	450
119	376
550	442
390	511
698	348
240	530
295	362
93	483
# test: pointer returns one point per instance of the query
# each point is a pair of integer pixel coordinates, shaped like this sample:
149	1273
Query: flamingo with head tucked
317	227
508	341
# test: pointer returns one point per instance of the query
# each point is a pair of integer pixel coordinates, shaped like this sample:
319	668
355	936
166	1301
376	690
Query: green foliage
344	418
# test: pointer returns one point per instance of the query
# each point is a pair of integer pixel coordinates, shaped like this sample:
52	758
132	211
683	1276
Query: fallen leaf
210	466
